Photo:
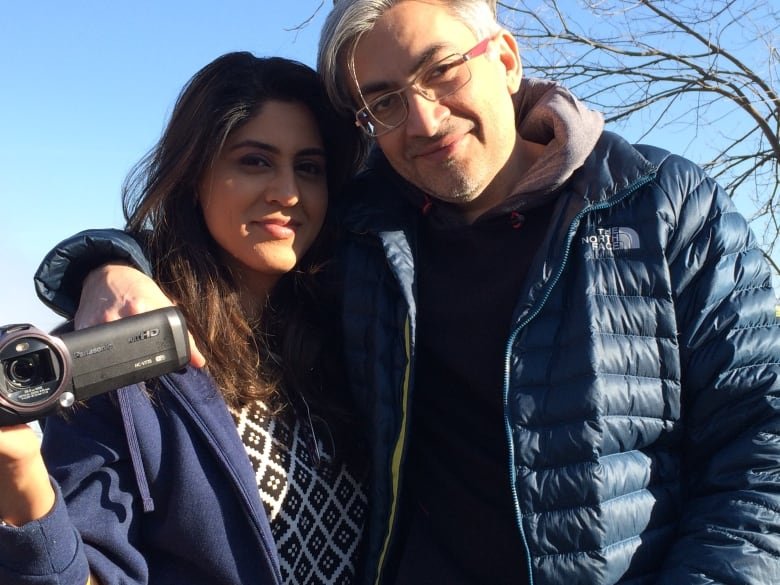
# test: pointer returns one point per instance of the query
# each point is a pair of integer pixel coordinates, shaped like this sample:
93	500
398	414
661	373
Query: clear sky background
85	89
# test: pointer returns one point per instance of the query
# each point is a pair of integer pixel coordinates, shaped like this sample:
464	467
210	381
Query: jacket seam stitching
748	366
590	462
742	538
579	420
755	327
619	334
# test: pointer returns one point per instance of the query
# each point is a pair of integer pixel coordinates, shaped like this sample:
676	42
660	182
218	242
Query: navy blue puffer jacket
642	387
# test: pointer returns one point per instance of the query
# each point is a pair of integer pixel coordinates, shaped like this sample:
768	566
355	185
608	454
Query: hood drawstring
516	219
133	447
427	204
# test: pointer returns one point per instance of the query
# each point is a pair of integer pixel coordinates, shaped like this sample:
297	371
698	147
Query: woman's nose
283	190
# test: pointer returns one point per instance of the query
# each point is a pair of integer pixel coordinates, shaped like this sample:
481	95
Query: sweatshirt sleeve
61	273
87	453
44	551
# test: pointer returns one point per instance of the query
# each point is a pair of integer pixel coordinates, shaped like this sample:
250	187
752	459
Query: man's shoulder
667	181
660	158
623	160
612	144
676	172
654	154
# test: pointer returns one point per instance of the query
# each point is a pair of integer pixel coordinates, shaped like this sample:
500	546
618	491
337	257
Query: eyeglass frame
364	115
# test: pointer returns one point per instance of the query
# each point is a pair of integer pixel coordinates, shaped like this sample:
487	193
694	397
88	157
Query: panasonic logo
93	351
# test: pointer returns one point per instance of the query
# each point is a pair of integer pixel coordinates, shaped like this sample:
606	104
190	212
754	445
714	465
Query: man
563	345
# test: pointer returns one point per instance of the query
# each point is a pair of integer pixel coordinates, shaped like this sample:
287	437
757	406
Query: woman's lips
279	229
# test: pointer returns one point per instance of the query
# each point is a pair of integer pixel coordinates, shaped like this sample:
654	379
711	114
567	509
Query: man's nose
425	115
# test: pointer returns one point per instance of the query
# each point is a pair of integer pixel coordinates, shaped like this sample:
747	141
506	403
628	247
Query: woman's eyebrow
250	143
259	144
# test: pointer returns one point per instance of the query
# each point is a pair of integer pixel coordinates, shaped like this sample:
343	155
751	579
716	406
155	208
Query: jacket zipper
400	443
638	184
398	455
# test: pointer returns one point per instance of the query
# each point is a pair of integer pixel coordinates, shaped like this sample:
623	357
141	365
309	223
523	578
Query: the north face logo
612	239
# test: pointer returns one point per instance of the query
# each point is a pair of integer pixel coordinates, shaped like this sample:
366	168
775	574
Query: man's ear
509	53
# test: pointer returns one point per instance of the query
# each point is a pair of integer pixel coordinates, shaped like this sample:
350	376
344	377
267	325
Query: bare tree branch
708	70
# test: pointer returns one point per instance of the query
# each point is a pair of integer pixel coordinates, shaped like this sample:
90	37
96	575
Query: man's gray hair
350	19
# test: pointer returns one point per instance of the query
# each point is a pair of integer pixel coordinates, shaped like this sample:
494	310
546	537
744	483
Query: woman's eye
311	168
253	160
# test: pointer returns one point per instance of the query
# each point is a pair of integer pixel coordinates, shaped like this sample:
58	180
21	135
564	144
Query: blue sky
86	88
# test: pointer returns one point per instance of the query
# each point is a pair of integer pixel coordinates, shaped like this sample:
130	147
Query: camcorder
41	373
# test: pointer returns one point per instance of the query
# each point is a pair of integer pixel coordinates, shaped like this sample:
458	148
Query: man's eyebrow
426	57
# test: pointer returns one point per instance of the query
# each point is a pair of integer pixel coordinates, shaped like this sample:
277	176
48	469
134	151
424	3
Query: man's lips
442	148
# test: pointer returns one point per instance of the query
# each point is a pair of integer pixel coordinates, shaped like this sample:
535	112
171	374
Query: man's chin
456	194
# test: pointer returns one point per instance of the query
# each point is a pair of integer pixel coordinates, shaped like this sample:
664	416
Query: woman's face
265	197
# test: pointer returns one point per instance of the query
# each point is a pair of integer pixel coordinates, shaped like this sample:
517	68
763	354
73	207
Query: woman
202	476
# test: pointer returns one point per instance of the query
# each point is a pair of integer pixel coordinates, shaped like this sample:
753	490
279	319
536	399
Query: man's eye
442	71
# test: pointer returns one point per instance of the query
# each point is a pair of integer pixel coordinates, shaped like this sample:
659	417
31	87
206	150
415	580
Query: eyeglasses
442	79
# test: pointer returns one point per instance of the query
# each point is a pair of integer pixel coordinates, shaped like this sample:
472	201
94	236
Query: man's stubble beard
460	187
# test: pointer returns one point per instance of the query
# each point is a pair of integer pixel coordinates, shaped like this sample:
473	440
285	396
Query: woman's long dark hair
281	357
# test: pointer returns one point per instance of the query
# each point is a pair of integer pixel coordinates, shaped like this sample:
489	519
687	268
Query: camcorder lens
22	370
30	369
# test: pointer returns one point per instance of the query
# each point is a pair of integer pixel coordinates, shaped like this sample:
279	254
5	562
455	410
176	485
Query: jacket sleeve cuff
48	550
61	273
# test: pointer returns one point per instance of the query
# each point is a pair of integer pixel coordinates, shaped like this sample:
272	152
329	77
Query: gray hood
549	114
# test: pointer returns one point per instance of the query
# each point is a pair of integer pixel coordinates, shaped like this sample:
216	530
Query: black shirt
457	483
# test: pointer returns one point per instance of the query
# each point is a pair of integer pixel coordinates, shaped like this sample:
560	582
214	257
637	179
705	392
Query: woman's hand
25	489
114	291
26	493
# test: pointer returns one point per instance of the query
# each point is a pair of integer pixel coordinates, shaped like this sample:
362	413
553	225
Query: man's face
454	148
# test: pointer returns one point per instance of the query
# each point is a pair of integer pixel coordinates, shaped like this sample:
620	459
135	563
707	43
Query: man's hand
114	291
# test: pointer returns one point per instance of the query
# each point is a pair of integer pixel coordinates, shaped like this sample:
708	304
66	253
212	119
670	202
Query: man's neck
523	157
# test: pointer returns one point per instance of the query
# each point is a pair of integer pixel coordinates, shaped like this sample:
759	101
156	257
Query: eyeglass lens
436	82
